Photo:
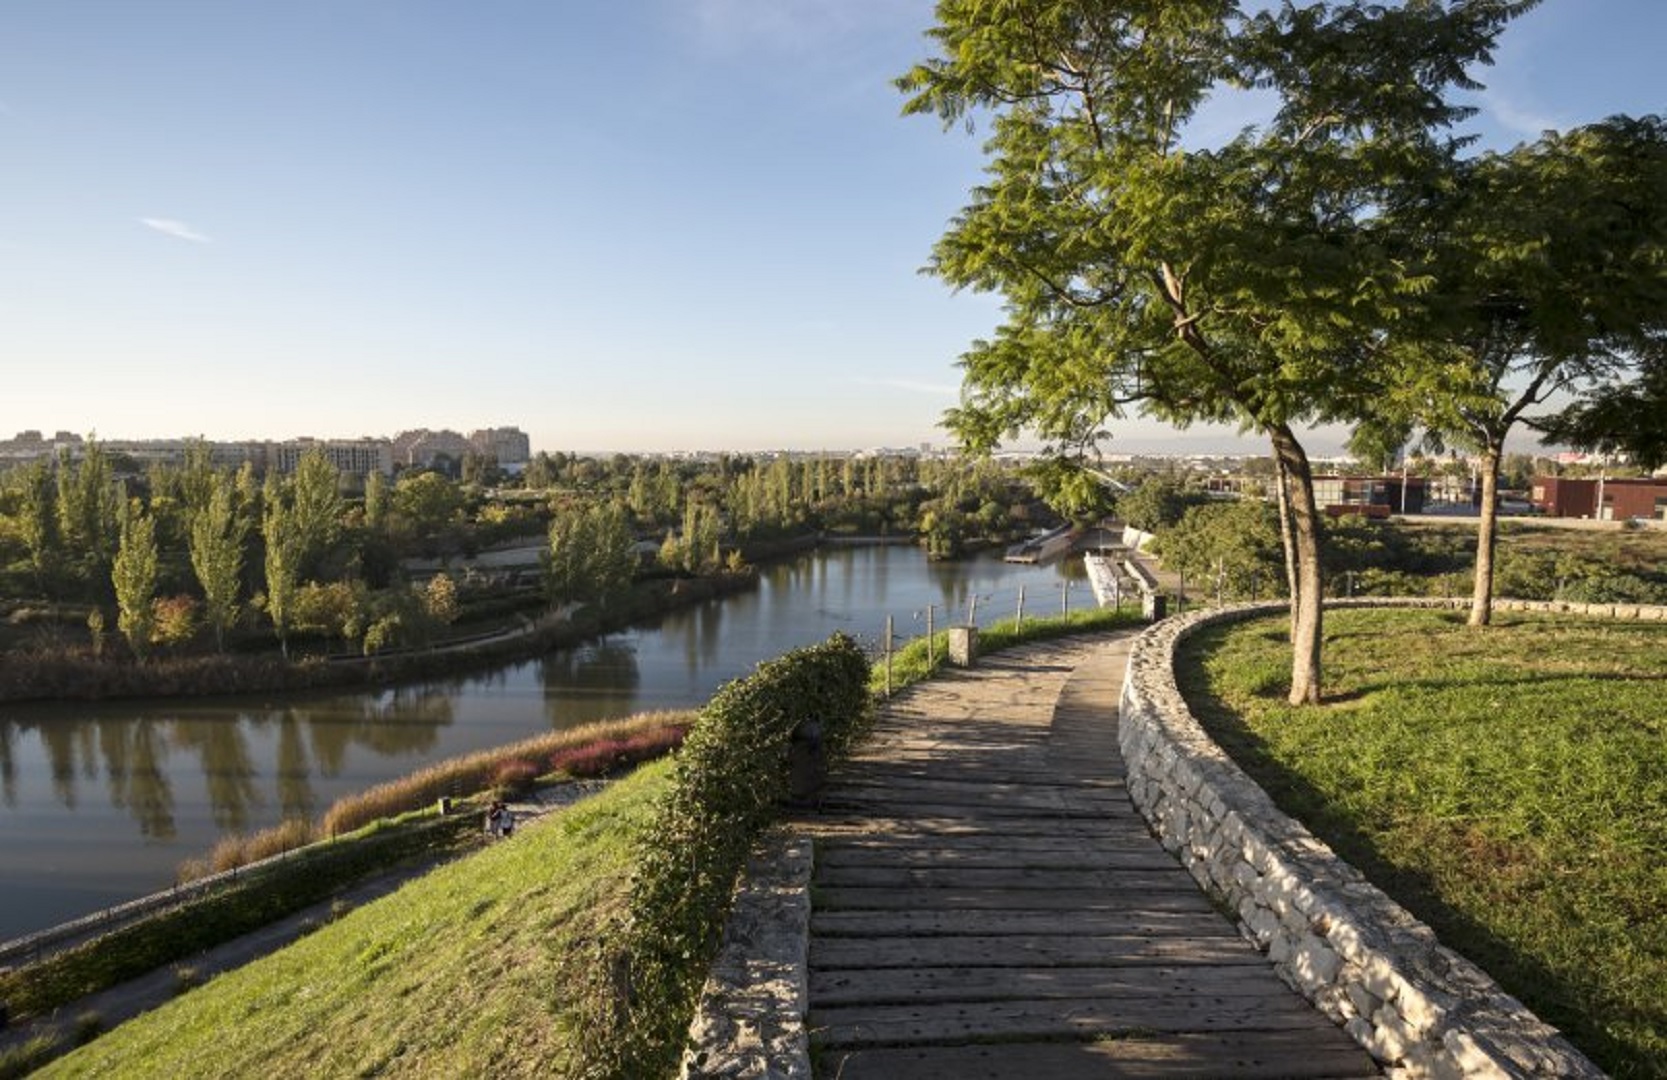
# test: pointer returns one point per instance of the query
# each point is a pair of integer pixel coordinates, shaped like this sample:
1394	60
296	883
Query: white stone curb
750	1022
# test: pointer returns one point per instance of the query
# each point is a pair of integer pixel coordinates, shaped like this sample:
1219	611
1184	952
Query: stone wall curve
1416	1006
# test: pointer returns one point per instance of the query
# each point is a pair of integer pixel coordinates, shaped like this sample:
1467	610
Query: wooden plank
918	923
1238	1055
1022	950
935	845
835	898
1078	829
933	878
845	801
1073	1018
981	774
994	857
900	986
983	793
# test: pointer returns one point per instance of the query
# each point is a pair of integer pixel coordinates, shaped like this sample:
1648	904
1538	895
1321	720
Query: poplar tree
1144	273
35	517
133	573
217	536
286	545
89	508
316	508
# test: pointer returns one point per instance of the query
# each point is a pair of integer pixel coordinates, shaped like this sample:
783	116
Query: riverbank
77	674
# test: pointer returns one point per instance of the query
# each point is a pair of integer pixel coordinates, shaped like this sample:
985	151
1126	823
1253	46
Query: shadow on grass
1557	999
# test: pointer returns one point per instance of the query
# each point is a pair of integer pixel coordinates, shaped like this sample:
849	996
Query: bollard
807	764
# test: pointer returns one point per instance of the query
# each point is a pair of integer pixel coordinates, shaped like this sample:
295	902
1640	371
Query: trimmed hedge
643	978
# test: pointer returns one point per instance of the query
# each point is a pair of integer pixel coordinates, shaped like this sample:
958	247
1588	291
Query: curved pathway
987	902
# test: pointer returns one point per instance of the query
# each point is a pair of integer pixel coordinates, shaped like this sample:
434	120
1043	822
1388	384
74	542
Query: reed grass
473	773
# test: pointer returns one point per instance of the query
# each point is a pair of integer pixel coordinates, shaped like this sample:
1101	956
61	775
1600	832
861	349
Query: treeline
191	557
1232	548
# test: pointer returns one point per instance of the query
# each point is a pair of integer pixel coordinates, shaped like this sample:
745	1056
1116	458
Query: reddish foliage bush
604	756
516	774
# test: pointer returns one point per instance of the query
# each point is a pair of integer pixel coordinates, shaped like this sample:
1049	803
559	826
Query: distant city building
1374	496
1600	497
359	457
505	445
444	450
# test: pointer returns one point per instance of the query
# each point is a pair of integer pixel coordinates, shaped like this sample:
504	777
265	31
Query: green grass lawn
1509	786
460	973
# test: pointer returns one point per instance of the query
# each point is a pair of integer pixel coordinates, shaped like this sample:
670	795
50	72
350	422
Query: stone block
1421	1010
1472	1060
1378	976
1315	963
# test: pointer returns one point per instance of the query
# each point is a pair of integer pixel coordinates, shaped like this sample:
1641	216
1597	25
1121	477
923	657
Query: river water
103	801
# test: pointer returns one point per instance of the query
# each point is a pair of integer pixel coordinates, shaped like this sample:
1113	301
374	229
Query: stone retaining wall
1416	1006
750	1022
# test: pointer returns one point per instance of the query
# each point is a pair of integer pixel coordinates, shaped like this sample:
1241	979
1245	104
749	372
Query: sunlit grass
460	973
922	657
1507	785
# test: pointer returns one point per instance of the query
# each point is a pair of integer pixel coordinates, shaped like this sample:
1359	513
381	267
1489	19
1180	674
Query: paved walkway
987	902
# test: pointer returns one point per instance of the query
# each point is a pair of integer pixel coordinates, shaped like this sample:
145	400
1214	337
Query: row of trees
1347	261
190	547
1231	549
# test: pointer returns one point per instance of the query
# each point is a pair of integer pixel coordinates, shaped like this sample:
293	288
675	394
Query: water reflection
295	772
594	681
8	764
102	802
135	764
223	750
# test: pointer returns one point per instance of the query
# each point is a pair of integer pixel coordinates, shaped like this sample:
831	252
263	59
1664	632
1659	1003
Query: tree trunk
1282	483
1487	537
1306	601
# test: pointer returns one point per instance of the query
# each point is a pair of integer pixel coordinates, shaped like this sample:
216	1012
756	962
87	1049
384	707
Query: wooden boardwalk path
987	902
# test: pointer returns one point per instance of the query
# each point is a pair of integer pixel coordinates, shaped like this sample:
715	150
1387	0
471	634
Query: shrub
474	773
605	756
26	1057
238	850
514	777
86	1027
640	978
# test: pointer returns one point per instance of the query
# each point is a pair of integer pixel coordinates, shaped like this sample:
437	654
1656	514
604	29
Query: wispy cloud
177	229
1516	117
915	386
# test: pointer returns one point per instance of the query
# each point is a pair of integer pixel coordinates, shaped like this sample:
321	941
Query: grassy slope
454	975
1509	786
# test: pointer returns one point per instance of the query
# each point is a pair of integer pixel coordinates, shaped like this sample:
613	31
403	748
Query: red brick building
1560	496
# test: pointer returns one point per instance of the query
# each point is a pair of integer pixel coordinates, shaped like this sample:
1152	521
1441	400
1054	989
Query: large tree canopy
1550	270
1249	282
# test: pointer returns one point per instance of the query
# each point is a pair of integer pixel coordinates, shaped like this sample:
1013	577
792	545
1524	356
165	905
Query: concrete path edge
750	1022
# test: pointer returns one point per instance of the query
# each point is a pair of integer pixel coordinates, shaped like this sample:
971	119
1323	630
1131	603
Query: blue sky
635	225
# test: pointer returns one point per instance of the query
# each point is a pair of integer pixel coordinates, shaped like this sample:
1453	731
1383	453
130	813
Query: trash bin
1154	606
963	645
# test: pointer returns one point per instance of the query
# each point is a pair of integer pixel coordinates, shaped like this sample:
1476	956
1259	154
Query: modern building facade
1375	496
1600	498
